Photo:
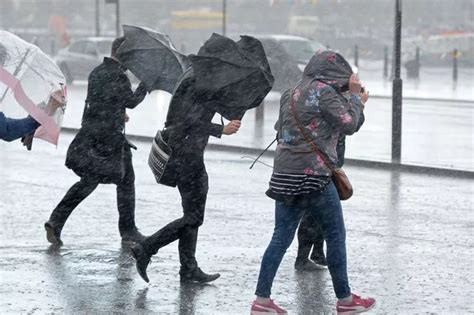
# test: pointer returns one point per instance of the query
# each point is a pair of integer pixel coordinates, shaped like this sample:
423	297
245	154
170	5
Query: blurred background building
436	26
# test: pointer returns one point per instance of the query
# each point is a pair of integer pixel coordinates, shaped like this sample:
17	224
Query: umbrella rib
156	40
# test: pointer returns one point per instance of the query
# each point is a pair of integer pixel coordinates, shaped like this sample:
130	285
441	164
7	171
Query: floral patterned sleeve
346	118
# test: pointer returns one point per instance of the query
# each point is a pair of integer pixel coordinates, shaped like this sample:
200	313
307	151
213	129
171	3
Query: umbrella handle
263	152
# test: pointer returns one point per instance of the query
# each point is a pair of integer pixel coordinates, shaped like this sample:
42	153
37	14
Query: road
409	239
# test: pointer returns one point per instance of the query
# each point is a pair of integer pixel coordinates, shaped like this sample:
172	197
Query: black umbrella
151	57
231	77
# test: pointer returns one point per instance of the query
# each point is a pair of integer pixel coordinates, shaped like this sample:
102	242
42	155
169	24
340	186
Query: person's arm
188	116
361	121
130	98
345	119
201	123
12	129
284	100
364	97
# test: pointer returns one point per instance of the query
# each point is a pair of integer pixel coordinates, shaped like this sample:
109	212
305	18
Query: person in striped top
316	113
310	235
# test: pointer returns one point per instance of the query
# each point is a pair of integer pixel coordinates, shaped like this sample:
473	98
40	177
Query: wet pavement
409	239
434	82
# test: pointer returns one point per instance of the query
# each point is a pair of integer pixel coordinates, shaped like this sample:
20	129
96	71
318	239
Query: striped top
282	185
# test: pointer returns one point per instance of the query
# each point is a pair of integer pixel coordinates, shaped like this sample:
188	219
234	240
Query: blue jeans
325	207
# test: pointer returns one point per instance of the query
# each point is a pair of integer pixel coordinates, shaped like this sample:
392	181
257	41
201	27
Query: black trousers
88	183
192	182
309	234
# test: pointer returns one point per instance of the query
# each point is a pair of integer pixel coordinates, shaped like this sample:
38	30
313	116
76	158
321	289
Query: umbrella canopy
151	57
231	77
29	79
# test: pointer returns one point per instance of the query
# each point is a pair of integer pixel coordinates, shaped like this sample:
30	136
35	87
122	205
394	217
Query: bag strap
307	138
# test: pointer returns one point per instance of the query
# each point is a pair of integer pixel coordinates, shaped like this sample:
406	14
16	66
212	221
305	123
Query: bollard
455	65
397	87
417	63
356	56
97	18
260	112
413	66
385	62
53	46
224	17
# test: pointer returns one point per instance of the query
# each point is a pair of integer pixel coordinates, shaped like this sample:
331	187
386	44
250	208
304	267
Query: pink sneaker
266	309
358	305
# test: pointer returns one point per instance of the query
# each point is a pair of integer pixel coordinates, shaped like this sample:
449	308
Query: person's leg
305	240
126	202
286	222
193	195
318	255
326	209
193	190
192	185
74	196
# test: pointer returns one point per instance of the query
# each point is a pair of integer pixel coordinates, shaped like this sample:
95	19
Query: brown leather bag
339	177
343	185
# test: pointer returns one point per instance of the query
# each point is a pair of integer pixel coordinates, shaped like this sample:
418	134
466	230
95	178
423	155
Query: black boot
53	233
306	265
319	258
142	260
132	236
197	275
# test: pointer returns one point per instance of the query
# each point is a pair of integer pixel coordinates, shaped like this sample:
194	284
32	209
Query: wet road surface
409	240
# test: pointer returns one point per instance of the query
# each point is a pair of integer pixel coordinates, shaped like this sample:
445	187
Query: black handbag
158	159
108	165
102	160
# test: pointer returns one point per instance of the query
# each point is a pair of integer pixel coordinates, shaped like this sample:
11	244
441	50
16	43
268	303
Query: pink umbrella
30	80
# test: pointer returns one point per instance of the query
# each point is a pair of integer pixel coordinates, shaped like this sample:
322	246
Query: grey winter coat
323	112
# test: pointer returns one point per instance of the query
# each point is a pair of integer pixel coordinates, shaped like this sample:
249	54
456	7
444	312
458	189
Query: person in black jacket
188	127
100	153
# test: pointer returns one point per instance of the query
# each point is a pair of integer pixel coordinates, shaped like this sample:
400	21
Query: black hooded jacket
189	123
101	135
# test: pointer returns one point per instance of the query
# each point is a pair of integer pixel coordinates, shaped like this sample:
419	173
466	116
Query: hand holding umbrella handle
28	140
364	95
232	127
56	100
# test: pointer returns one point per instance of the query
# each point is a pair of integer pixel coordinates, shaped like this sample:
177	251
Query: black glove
28	140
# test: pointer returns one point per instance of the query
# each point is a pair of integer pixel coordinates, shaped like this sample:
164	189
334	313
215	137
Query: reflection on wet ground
409	239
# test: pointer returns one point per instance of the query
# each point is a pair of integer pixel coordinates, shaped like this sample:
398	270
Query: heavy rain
236	156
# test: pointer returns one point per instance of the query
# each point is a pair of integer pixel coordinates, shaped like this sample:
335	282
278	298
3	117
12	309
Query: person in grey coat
310	234
312	113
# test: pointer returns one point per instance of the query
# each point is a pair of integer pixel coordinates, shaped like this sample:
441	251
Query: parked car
287	56
79	58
